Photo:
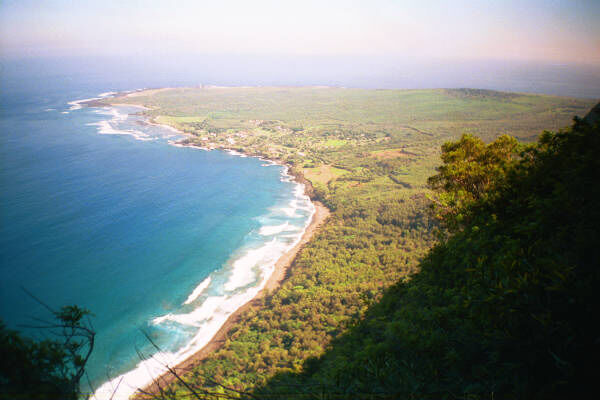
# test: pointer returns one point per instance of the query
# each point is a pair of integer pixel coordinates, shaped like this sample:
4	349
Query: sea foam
152	366
242	278
76	104
106	128
106	94
113	125
244	269
198	291
274	229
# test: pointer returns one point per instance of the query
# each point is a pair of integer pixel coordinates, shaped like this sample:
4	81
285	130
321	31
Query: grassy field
312	127
367	154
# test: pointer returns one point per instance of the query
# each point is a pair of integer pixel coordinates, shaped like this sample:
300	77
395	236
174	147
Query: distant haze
543	30
540	46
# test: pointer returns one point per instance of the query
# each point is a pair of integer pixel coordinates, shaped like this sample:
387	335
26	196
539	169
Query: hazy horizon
352	72
531	30
535	46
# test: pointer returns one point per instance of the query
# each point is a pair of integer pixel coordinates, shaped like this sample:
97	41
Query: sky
526	30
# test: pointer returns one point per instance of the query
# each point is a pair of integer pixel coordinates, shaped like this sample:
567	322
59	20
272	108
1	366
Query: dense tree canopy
470	172
503	307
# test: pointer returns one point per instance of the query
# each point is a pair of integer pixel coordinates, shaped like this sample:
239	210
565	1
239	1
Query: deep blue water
130	228
124	227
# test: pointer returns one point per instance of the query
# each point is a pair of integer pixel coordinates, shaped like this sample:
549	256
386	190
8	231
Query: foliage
367	155
471	171
47	369
501	308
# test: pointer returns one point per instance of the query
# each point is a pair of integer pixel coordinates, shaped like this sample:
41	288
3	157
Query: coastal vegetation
335	324
502	304
475	283
48	368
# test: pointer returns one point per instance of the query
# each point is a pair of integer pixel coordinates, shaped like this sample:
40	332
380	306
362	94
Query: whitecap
125	385
274	229
198	291
76	104
175	143
248	273
106	128
243	271
289	211
194	318
106	94
235	153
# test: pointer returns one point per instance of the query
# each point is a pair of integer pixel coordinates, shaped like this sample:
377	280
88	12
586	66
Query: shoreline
278	276
280	270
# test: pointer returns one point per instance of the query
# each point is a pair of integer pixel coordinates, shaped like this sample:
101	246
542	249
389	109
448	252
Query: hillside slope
502	308
367	154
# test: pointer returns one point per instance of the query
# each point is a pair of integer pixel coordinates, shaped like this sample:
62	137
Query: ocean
98	209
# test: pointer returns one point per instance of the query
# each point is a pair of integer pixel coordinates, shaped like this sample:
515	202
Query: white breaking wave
106	128
289	211
76	104
243	269
299	191
123	386
196	317
267	163
248	274
274	229
114	113
175	143
236	153
300	202
198	291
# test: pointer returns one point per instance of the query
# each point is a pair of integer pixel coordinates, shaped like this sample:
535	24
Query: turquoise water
128	226
97	209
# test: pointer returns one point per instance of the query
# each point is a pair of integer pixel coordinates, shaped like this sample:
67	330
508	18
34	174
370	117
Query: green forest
458	261
503	305
368	309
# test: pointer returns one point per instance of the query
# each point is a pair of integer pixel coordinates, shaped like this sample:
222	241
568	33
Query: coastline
131	105
282	266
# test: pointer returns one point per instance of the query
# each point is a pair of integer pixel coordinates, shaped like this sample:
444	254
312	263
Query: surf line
215	314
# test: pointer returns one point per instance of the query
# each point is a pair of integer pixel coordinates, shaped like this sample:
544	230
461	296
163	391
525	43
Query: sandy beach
279	274
277	277
219	333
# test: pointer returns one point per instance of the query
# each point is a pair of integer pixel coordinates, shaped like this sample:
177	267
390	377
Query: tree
470	170
503	306
47	369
